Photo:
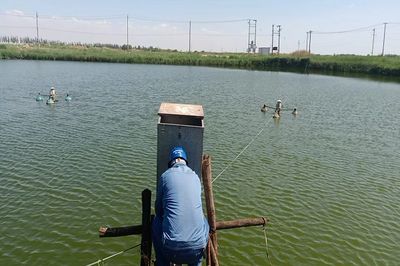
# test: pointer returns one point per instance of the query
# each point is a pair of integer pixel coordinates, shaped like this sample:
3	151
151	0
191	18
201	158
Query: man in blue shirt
180	230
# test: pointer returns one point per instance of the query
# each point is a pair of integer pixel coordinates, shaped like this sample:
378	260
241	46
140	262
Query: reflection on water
276	121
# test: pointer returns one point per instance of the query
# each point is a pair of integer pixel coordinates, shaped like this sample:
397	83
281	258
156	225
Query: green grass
339	64
376	65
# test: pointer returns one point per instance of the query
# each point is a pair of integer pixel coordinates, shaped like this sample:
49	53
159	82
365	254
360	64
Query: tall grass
302	62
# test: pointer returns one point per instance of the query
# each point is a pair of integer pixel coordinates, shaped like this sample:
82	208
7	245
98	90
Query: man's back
183	223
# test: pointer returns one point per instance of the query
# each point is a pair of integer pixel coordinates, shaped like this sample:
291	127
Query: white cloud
205	30
103	22
81	21
15	12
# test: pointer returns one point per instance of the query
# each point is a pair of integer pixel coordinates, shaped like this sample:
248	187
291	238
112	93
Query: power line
17	15
220	34
122	16
124	34
192	21
18	27
346	31
83	32
44	20
65	17
116	34
219	21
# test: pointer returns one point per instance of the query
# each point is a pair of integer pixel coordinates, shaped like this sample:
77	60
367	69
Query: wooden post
209	196
120	231
221	225
208	257
241	223
146	225
214	258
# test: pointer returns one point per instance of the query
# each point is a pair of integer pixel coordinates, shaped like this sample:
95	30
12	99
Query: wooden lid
181	109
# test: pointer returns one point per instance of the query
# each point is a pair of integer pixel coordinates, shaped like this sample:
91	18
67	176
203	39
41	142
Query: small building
264	50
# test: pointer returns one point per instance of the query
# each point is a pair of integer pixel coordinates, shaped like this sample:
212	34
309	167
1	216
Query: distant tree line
29	40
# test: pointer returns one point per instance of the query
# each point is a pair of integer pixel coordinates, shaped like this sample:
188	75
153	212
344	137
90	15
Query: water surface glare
328	179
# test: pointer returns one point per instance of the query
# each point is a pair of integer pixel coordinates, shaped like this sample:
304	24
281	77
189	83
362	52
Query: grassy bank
340	64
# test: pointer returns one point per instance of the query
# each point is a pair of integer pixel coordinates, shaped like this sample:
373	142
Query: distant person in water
294	111
278	107
264	108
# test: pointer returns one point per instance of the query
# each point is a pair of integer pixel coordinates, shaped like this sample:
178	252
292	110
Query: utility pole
373	41
248	38
190	36
309	43
252	36
279	39
272	44
37	27
127	32
255	35
384	37
298	45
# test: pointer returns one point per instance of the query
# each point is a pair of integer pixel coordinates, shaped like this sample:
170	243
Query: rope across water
241	152
237	156
111	256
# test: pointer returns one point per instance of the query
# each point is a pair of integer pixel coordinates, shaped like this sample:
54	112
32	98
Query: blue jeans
164	255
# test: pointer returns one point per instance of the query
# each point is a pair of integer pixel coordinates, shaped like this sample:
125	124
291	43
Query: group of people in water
278	109
52	97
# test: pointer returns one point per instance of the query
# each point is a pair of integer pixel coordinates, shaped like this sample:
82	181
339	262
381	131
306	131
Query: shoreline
375	67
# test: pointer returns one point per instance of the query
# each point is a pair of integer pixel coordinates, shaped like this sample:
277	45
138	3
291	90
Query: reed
299	62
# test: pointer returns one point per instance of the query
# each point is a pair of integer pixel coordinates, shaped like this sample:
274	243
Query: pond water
328	179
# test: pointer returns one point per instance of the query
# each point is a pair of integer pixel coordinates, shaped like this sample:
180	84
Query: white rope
266	244
241	152
111	256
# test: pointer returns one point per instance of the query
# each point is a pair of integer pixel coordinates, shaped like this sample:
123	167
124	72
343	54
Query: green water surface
328	179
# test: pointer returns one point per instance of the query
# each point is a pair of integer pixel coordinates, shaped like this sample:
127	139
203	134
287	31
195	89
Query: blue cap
177	152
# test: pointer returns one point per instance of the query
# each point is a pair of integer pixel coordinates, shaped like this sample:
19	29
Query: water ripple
328	182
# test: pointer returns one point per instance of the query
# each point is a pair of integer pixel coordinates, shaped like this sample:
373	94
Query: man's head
177	153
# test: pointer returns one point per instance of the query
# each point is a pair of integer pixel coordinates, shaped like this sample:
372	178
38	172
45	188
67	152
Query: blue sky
164	24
